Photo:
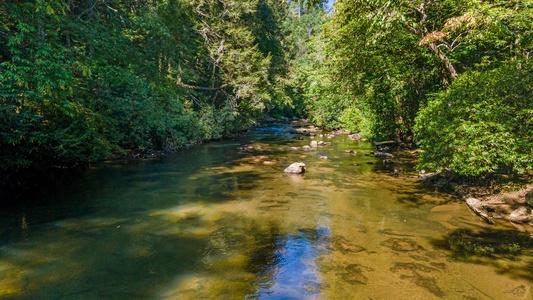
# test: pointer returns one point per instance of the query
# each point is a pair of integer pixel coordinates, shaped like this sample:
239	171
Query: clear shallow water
215	222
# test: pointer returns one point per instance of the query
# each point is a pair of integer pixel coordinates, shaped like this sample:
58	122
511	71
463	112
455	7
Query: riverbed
223	221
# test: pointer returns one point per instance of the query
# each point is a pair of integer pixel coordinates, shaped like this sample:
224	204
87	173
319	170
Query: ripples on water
217	222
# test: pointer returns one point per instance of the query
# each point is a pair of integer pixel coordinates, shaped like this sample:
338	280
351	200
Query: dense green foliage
82	80
452	76
482	124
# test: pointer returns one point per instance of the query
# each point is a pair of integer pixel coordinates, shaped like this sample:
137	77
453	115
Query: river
217	222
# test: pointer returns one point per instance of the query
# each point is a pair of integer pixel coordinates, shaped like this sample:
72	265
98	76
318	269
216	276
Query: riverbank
493	200
16	185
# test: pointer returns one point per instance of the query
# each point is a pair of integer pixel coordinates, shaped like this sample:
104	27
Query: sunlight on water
222	221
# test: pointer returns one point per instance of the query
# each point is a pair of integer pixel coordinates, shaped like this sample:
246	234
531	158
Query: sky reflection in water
294	273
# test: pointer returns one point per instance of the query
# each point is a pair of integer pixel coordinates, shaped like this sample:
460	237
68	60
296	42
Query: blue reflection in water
294	273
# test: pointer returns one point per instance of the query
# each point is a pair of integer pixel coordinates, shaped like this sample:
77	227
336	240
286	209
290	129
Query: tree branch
435	48
445	59
457	38
412	29
445	46
200	88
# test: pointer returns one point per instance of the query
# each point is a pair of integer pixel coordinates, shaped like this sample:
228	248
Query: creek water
217	222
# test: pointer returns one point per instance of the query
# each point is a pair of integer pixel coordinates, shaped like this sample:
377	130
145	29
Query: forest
83	81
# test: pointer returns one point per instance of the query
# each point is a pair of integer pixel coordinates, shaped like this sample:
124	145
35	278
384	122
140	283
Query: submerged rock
413	273
354	275
412	266
401	244
295	168
521	291
346	247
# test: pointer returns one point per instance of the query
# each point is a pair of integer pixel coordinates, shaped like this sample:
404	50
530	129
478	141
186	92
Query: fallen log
477	207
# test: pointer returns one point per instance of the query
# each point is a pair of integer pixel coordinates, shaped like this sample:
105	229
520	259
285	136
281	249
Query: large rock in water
296	168
477	206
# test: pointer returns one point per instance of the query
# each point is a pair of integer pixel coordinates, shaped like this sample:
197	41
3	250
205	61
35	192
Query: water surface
217	222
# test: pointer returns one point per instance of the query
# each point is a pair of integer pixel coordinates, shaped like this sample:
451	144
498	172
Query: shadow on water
499	248
104	256
94	262
120	189
420	197
222	187
289	270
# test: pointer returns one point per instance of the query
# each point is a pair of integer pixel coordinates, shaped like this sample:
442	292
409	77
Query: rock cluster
515	208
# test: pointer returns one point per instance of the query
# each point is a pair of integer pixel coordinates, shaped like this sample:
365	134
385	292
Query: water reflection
293	272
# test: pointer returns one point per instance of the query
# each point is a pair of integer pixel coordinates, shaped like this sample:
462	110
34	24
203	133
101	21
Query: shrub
482	124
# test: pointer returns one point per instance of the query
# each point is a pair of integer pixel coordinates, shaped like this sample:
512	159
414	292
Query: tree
380	68
36	90
387	56
482	124
303	56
